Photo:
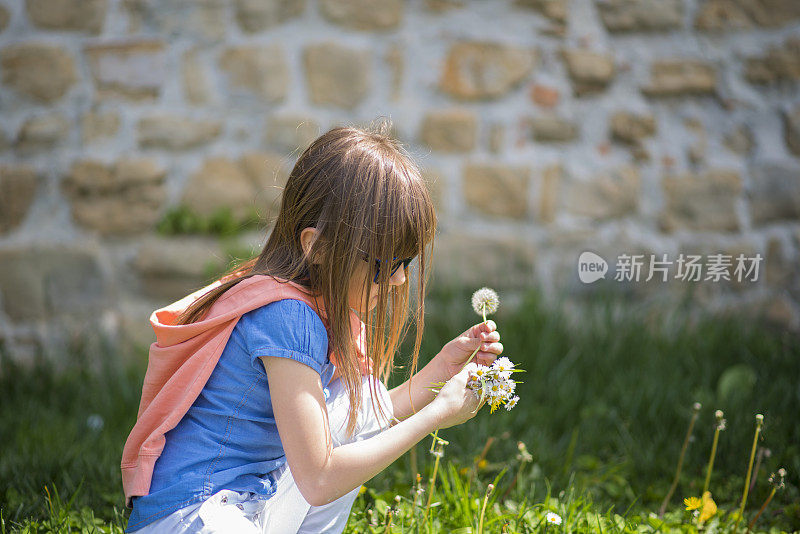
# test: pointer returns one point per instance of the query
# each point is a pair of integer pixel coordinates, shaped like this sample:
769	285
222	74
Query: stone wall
138	136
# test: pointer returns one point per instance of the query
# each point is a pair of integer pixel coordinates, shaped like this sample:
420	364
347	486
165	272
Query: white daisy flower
509	386
485	301
553	518
503	364
510	403
481	371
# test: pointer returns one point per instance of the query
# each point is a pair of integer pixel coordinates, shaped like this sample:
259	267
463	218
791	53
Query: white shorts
286	512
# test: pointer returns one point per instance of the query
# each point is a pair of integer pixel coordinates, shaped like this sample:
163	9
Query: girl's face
356	298
363	270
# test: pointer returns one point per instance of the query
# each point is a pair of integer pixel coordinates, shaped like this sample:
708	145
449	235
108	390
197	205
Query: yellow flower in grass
692	503
706	506
708	509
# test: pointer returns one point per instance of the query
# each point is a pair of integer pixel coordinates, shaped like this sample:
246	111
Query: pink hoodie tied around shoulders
183	356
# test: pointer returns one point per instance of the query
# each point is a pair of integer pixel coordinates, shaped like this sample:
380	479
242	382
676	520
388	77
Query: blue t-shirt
228	439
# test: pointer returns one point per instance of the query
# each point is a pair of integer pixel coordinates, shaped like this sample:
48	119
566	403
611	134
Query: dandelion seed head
759	418
95	422
776	479
485	300
696	407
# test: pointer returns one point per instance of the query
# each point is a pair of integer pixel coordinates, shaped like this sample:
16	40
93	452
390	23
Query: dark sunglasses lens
404	263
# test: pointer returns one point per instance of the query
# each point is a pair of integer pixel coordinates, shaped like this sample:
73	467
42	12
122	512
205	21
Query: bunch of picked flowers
493	382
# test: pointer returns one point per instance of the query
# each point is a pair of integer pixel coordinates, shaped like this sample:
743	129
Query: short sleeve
286	328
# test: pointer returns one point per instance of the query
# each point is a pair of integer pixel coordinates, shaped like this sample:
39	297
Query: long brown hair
365	195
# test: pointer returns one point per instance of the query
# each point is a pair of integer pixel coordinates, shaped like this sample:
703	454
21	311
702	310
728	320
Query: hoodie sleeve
286	328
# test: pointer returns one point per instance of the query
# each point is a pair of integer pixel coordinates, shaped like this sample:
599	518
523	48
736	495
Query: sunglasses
395	265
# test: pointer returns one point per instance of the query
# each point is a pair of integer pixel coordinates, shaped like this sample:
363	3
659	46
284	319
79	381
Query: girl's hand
455	402
454	355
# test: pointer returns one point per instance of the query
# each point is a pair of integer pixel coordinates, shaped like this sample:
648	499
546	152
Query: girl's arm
418	385
324	473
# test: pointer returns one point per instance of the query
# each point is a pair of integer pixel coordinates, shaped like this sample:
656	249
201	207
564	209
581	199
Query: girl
264	407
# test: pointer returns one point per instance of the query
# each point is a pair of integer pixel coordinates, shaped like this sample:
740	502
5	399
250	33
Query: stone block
245	186
261	71
632	128
99	126
791	129
40	282
171	268
497	190
728	15
778	64
18	184
678	77
194	79
40	71
120	199
369	15
553	129
258	15
462	259
628	16
291	134
42	132
475	70
337	75
68	15
133	70
589	71
609	195
452	130
774	193
701	202
173	132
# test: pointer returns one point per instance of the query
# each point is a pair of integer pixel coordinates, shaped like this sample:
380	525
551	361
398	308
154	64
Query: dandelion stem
695	411
413	459
388	528
436	432
759	456
482	457
759	422
489	490
713	450
483	307
439	453
761	510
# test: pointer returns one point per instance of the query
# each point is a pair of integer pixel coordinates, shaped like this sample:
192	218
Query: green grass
604	408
